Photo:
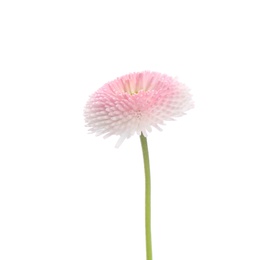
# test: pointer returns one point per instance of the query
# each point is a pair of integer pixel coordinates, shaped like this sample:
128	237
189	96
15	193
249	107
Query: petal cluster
135	103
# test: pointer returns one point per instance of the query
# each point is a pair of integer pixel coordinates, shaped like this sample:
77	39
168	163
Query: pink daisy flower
136	103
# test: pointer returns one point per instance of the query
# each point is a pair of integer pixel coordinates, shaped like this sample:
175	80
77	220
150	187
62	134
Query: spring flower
135	103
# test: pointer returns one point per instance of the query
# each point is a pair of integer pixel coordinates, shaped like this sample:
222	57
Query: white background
65	194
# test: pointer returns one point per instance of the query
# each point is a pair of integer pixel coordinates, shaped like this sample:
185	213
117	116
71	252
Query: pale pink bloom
135	103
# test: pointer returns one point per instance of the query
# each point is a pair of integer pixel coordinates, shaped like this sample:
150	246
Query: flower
134	103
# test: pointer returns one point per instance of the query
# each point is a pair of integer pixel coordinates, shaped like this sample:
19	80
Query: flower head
135	103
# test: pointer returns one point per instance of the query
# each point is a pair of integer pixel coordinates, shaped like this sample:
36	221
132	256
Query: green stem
146	160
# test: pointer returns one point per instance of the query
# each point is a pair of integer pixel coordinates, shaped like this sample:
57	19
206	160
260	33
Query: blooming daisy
134	104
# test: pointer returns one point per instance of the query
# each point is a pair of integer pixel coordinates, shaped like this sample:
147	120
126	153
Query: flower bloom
135	103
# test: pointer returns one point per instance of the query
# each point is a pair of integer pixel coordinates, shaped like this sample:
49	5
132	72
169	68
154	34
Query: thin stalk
146	161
